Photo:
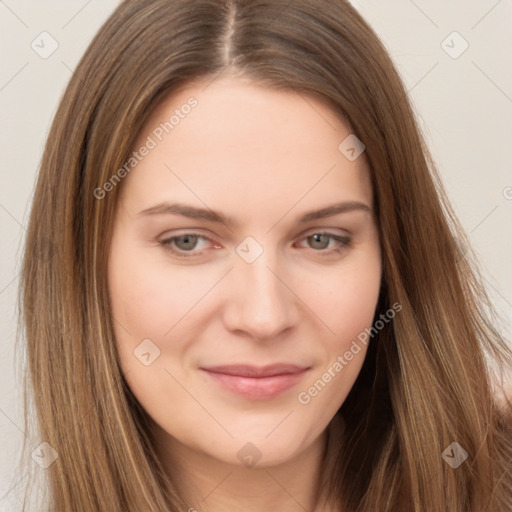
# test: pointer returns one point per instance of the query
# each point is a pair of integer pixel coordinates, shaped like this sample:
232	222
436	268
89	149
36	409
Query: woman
255	295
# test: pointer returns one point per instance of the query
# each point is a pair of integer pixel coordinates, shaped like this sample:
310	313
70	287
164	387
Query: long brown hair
427	380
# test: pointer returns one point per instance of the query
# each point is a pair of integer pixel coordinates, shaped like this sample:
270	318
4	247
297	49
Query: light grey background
464	105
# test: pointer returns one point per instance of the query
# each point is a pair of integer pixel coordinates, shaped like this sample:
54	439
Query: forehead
231	110
232	139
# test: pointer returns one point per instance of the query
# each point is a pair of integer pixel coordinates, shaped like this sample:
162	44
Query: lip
255	382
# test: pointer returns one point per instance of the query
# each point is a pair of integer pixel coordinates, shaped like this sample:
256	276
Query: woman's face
238	282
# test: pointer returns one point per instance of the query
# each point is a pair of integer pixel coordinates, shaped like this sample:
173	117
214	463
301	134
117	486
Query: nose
261	302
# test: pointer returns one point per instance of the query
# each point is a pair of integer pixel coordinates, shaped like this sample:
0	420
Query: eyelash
343	242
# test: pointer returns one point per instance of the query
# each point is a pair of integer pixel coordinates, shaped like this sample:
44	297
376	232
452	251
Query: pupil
189	241
317	238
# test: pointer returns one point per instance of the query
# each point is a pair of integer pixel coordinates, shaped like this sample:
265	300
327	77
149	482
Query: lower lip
257	388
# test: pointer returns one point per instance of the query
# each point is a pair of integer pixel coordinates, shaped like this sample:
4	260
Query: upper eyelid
305	233
326	231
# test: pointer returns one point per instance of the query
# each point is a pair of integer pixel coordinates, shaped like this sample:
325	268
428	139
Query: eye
183	244
186	245
320	242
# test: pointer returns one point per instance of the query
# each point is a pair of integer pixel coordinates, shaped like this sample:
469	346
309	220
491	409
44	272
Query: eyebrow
193	212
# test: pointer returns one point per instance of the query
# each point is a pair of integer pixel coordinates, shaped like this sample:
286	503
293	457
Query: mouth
252	382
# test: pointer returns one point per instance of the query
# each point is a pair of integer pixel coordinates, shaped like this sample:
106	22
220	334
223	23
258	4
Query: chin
259	450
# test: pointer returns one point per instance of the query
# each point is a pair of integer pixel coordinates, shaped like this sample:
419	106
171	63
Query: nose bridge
261	303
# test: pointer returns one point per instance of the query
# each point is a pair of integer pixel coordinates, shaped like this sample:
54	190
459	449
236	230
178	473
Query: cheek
345	300
144	300
145	306
353	308
346	305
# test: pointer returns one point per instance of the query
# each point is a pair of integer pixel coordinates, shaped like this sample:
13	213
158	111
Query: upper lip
245	370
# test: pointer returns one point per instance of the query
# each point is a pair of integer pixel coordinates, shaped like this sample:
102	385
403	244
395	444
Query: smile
256	383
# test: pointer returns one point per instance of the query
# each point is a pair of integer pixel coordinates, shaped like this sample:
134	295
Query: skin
263	158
